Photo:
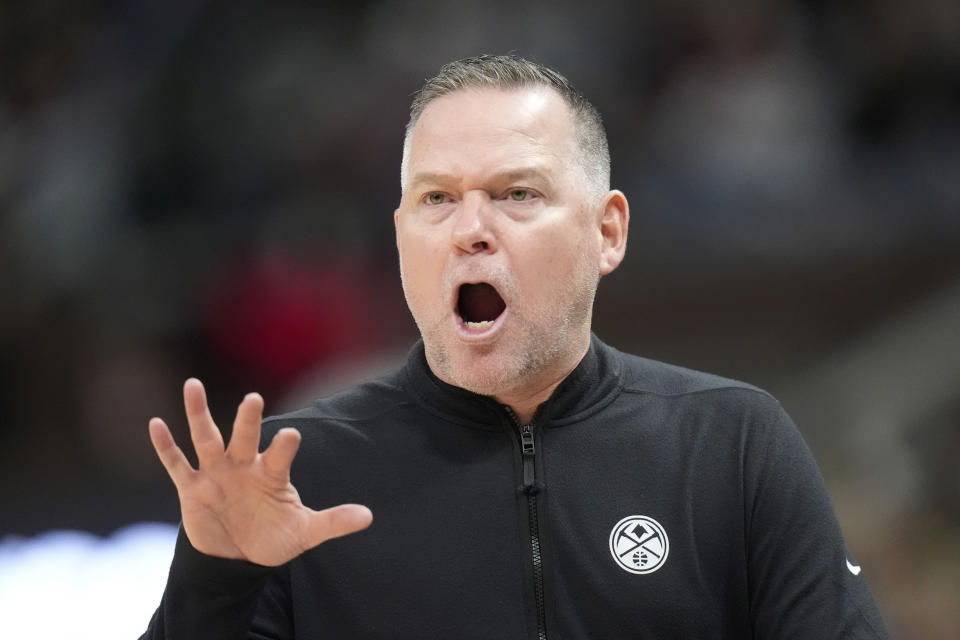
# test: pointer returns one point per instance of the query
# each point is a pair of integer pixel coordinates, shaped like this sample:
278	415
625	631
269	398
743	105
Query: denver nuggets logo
639	544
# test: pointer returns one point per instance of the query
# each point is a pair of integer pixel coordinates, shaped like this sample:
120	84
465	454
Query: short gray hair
514	72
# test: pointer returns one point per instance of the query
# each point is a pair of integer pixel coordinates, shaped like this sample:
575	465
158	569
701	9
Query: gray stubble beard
544	351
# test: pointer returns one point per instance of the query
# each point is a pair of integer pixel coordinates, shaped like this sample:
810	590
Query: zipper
528	451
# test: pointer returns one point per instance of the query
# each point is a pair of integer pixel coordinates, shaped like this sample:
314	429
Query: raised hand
239	503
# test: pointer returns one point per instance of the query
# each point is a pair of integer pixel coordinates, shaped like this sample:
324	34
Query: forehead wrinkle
544	154
431	177
534	156
533	173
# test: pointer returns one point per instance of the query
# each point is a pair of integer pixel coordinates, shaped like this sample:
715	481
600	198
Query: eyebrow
509	175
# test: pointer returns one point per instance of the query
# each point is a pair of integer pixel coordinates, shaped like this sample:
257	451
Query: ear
614	220
396	225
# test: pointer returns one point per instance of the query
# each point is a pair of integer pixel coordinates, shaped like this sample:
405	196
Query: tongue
480	303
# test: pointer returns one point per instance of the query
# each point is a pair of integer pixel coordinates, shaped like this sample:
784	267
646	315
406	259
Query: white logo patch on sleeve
853	568
639	544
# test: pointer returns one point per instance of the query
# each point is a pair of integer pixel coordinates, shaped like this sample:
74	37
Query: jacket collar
593	384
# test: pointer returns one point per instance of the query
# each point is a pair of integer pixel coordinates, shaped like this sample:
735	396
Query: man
528	481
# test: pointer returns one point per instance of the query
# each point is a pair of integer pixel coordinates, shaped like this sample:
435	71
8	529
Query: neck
525	402
526	408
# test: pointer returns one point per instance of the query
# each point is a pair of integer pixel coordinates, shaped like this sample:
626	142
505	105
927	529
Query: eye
519	195
435	198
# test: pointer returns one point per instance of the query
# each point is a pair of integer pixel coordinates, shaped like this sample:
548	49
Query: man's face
499	246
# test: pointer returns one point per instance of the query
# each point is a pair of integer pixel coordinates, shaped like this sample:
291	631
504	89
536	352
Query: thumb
337	521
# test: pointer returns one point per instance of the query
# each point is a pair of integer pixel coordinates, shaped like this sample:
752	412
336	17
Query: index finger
203	431
172	458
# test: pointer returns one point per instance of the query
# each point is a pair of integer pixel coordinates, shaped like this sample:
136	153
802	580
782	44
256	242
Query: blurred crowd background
205	188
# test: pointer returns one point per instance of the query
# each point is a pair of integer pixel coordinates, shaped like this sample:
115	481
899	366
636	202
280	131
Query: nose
472	231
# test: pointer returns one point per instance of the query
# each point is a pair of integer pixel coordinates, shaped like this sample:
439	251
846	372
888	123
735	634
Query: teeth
483	324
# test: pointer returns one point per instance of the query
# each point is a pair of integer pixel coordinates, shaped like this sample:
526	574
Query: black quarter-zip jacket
643	501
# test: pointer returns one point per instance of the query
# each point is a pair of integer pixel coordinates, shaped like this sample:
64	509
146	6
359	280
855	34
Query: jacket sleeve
803	581
213	598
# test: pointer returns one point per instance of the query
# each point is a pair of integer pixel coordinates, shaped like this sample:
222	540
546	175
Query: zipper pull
526	440
529	450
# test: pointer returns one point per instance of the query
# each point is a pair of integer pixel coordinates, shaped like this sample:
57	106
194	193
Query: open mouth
479	305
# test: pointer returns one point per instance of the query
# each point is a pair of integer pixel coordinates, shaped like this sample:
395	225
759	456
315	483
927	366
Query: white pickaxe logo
639	544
